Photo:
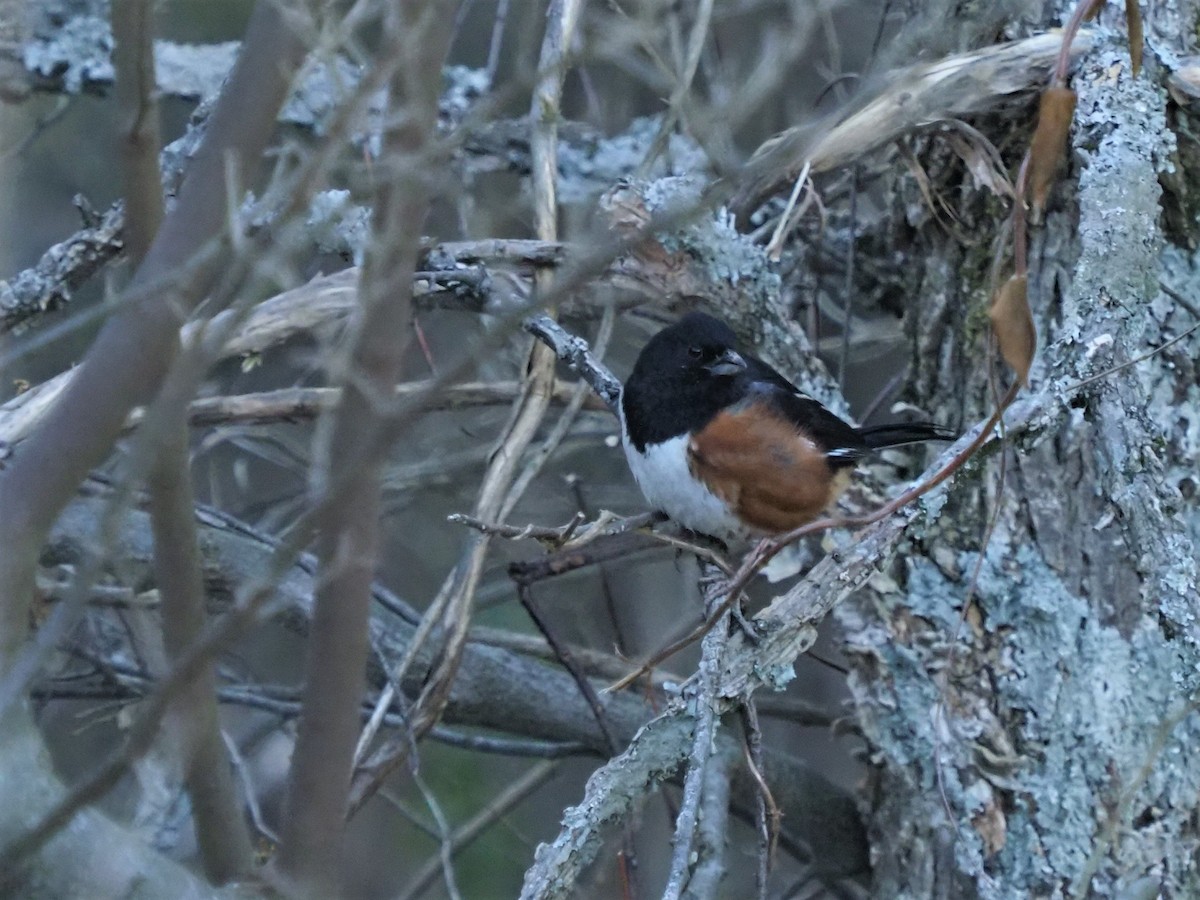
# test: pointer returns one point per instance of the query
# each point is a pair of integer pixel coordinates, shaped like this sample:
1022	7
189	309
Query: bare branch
574	351
712	829
133	352
417	38
703	699
220	826
133	60
61	270
306	404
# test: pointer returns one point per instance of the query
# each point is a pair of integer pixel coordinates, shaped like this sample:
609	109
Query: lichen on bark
1037	746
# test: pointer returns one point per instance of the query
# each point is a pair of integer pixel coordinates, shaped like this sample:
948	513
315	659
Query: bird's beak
728	363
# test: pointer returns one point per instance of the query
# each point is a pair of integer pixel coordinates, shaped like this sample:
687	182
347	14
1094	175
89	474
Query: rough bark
1039	745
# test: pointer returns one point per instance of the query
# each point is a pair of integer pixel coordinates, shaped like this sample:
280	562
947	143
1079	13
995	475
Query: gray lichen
79	52
1054	721
728	255
1082	706
1119	211
193	71
337	225
588	169
74	46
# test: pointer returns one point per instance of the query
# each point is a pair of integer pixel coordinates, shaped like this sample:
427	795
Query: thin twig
700	757
498	23
886	391
492	812
445	845
525	592
683	84
449	614
786	218
1133	362
552	537
766	812
248	789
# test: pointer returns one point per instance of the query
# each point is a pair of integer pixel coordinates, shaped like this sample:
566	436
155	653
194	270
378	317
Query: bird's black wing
841	442
761	373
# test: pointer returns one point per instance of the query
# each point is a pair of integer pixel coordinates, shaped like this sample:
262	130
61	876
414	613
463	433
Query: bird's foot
749	629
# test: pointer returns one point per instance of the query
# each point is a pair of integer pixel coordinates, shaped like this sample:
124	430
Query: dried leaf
1184	83
626	209
1055	111
628	217
1094	12
979	163
1133	18
1012	322
932	199
991	825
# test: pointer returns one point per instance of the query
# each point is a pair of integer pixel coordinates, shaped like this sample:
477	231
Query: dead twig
767	813
572	536
909	99
703	689
449	615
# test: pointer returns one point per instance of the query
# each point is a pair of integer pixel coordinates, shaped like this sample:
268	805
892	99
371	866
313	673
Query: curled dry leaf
1133	18
1055	111
991	825
1184	83
628	215
626	209
900	103
980	164
1012	322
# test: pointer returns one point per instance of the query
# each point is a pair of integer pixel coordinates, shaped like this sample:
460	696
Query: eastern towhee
728	447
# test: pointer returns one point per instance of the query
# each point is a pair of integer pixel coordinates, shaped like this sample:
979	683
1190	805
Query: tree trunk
1039	744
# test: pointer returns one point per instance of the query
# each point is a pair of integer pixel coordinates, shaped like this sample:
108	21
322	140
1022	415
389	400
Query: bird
729	448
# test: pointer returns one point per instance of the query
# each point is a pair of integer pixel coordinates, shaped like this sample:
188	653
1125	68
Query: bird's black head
684	376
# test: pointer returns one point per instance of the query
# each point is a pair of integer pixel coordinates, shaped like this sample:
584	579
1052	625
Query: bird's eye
695	352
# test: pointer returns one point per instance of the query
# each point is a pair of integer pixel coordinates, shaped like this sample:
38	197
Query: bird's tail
879	436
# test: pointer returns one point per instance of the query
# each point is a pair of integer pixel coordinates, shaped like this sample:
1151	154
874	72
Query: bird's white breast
666	480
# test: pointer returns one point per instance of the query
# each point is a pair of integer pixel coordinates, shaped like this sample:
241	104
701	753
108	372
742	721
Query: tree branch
133	352
416	41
